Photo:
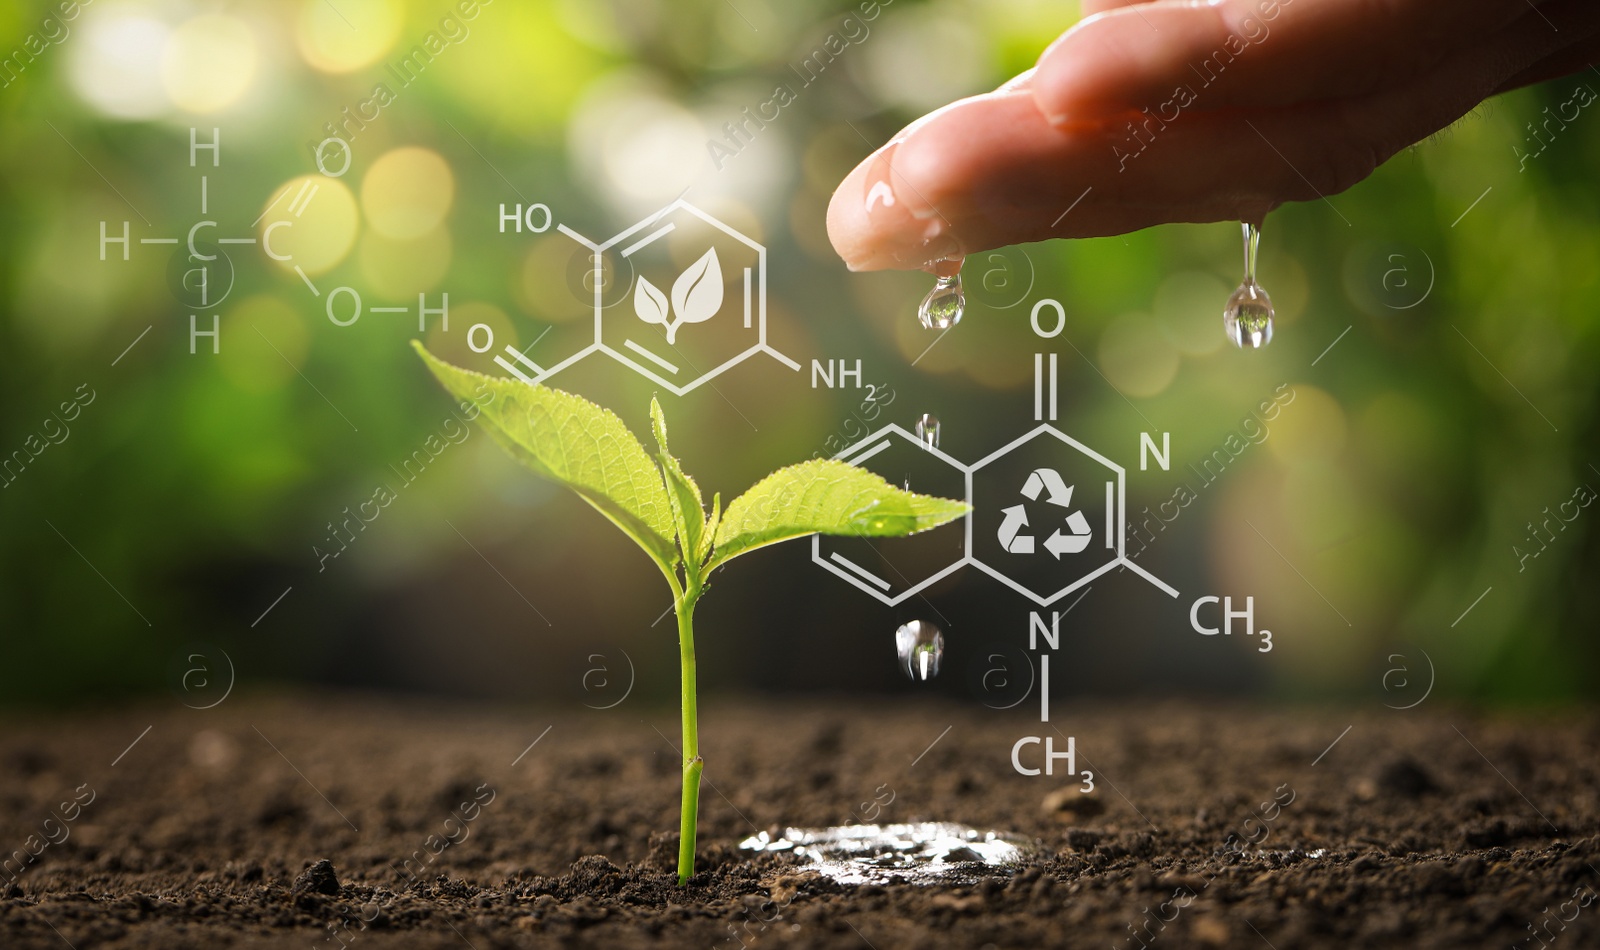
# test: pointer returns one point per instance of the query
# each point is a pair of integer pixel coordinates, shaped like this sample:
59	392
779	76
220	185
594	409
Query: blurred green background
1396	491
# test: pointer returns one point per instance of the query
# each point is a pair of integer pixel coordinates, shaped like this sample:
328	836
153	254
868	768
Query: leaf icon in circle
649	302
697	293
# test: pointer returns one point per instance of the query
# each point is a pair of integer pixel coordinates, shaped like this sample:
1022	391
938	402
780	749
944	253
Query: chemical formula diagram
724	284
204	277
680	298
1048	516
1044	533
654	331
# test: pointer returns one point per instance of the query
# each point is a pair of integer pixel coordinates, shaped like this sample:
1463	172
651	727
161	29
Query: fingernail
880	190
884	186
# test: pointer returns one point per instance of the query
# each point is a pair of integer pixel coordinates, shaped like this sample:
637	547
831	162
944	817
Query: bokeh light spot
1137	357
347	37
320	236
925	59
407	192
115	64
209	63
1310	428
639	147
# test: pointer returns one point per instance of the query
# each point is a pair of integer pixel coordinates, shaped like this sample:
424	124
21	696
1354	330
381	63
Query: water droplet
928	430
1247	319
921	647
943	306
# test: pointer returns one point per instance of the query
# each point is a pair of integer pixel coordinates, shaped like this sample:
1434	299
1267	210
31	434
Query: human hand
1157	111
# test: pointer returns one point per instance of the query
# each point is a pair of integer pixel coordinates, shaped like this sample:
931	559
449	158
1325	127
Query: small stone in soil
1069	804
319	878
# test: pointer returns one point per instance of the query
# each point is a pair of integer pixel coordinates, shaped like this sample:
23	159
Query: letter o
348	155
1061	318
549	219
335	293
488	332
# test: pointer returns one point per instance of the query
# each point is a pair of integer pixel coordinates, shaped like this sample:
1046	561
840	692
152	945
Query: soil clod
319	878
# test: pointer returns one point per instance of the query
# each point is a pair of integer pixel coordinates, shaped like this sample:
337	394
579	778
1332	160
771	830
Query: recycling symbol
1046	481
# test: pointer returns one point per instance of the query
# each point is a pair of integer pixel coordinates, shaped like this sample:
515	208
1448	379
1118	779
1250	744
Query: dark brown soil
1415	829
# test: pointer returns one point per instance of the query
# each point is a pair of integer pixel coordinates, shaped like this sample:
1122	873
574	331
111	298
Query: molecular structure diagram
1044	534
724	286
728	268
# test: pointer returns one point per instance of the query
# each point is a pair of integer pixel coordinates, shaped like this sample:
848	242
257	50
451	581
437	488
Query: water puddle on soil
930	852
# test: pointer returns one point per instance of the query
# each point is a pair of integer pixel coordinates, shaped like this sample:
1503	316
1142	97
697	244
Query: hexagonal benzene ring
1051	520
892	569
698	305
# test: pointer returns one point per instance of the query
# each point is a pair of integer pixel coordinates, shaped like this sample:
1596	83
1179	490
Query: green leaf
829	497
682	493
575	443
710	533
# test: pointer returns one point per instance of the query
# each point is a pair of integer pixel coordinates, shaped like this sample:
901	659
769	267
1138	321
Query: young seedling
573	442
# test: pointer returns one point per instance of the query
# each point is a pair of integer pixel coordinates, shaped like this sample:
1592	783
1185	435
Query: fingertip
846	222
936	165
869	223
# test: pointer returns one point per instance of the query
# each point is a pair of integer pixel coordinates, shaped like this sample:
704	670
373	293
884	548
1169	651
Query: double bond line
1039	387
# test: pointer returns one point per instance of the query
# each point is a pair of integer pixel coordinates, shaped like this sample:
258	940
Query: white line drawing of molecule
994	520
650	347
642	333
858	561
204	277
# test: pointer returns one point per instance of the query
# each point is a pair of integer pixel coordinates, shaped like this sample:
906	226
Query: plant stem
693	765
